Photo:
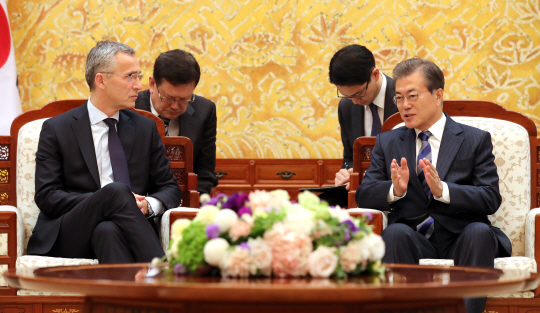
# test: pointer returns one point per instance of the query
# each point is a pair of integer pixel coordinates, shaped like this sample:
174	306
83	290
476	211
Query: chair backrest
514	139
24	139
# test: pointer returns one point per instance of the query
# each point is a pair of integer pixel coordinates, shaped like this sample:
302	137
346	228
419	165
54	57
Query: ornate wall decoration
265	63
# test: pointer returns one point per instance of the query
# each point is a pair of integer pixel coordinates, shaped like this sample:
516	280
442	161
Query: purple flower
294	202
369	216
244	210
230	203
236	201
350	225
180	269
245	246
212	231
347	234
333	207
215	200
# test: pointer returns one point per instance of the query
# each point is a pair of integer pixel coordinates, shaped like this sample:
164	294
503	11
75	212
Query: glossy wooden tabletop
400	282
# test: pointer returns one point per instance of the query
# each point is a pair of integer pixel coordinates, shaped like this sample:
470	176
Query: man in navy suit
101	170
171	97
436	177
366	102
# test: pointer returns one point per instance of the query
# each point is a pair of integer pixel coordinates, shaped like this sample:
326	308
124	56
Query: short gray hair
102	58
433	76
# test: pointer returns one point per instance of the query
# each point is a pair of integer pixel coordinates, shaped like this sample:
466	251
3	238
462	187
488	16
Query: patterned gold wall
265	62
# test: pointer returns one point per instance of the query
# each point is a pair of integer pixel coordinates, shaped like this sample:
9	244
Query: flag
10	103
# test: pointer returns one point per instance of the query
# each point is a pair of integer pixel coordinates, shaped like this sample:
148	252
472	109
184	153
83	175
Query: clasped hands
343	177
400	177
142	203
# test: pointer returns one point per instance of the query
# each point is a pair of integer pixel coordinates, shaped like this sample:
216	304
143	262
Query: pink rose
237	263
323	262
290	251
265	201
354	253
241	228
261	254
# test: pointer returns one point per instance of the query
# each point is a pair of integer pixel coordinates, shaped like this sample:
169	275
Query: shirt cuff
445	194
391	198
157	206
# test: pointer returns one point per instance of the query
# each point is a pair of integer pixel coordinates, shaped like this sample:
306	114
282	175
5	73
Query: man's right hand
343	177
400	177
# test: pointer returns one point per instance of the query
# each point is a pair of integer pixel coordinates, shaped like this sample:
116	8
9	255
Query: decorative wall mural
265	62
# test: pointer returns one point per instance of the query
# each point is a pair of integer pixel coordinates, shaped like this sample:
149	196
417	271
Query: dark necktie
426	227
116	153
376	125
166	121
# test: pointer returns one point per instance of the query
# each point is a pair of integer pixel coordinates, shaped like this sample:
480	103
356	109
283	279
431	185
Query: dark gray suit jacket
351	120
67	172
198	123
465	163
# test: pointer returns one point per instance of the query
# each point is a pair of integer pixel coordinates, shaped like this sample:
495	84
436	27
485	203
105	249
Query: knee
397	234
116	194
480	232
104	231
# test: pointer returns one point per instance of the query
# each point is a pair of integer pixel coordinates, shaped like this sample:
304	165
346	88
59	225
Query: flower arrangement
265	234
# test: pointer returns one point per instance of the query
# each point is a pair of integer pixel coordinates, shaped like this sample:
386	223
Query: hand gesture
432	177
400	177
142	203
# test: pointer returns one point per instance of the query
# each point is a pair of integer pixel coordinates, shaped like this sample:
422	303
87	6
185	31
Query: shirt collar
436	129
379	99
97	116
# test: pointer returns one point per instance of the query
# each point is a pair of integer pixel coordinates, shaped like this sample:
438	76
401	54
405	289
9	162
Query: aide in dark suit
366	102
171	97
85	211
446	217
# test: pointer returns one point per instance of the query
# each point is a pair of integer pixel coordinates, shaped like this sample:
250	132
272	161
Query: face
356	93
428	107
174	99
120	90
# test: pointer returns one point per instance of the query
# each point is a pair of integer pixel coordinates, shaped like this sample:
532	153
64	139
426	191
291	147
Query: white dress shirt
434	140
100	135
379	102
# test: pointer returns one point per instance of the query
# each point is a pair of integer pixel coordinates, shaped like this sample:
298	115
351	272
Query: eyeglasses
171	100
132	77
355	95
412	98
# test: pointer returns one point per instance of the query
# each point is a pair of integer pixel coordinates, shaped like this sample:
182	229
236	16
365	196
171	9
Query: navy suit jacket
465	163
198	123
351	120
67	172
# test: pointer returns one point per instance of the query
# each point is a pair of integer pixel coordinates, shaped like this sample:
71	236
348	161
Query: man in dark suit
437	178
101	170
171	97
366	102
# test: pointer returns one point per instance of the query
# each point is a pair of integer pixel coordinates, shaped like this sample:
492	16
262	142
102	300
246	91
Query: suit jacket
351	120
67	172
198	123
465	163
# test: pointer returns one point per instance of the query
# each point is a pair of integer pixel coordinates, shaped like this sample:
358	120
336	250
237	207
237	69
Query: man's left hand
432	177
142	203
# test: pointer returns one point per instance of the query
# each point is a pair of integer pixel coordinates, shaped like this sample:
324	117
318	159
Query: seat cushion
35	261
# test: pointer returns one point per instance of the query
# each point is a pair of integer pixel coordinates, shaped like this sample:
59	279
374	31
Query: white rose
376	246
300	219
225	219
172	253
261	253
178	227
323	262
341	215
206	214
214	250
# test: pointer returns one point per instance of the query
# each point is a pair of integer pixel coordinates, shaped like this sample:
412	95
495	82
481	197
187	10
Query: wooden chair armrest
377	218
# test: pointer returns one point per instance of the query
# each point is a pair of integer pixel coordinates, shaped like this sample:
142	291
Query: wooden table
404	288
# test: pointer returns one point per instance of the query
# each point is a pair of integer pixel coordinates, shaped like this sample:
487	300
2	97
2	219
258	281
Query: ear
376	74
151	83
439	93
100	80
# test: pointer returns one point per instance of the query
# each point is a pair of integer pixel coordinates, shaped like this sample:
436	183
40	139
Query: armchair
18	211
517	155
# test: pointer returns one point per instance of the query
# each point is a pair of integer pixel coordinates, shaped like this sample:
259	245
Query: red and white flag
10	102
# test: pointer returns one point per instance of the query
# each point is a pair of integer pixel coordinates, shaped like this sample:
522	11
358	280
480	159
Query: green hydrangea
191	248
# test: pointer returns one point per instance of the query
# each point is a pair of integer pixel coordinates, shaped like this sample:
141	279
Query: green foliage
191	248
262	223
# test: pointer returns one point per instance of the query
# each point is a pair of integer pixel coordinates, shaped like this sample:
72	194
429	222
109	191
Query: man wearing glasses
437	178
366	102
101	170
171	97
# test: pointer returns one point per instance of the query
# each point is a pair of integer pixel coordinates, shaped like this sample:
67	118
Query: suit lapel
83	133
408	146
187	122
450	143
126	132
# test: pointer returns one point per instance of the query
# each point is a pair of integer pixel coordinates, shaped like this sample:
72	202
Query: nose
356	100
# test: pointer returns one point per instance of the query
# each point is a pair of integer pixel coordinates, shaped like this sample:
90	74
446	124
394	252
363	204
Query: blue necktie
116	153
166	121
426	227
376	126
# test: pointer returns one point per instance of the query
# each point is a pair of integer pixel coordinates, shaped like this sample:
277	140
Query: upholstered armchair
517	155
18	211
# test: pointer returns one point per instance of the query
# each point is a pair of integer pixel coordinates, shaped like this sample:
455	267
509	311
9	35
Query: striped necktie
426	227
